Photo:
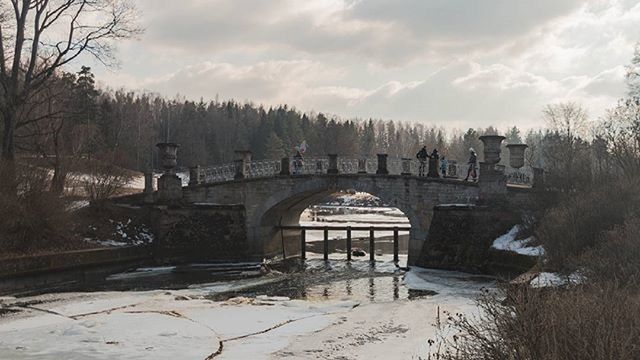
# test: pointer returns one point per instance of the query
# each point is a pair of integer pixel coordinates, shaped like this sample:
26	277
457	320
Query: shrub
578	223
34	218
585	322
617	257
105	181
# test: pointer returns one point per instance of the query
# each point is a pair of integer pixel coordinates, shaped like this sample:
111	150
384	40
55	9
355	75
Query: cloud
267	81
455	63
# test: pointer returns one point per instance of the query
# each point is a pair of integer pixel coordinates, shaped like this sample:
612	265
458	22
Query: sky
450	63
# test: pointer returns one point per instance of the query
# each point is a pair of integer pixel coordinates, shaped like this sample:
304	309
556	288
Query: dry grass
587	322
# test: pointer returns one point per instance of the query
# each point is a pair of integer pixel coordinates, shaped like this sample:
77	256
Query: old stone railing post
194	175
491	181
362	165
382	164
242	161
406	166
285	166
169	184
333	164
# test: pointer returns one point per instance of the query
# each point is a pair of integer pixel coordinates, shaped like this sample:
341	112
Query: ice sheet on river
185	324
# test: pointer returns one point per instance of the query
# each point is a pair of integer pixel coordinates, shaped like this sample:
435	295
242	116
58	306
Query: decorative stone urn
516	155
168	156
492	148
169	184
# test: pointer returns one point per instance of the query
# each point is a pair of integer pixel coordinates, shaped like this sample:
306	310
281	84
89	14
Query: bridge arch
285	207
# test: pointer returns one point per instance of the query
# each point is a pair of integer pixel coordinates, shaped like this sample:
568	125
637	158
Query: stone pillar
362	165
333	164
285	166
169	184
242	161
538	178
516	155
406	166
492	181
382	165
240	169
148	186
194	175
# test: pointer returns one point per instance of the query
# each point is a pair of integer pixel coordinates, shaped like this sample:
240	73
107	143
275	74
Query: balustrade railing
522	176
363	165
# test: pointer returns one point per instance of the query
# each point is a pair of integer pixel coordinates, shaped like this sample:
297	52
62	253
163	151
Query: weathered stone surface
200	233
461	238
169	188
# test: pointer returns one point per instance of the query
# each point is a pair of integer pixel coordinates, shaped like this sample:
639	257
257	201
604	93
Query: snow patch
508	242
548	279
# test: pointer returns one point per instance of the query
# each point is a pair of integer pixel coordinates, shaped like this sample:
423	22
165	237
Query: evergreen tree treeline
126	126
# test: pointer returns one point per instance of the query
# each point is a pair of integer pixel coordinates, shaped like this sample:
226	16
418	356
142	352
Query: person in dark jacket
434	160
422	155
473	169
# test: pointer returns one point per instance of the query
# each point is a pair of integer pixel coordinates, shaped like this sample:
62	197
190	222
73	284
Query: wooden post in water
326	243
395	244
372	247
303	244
348	243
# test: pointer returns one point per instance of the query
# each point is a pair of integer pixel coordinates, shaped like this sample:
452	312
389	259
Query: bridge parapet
345	165
307	166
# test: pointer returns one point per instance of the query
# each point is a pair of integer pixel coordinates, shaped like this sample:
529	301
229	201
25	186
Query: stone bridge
273	194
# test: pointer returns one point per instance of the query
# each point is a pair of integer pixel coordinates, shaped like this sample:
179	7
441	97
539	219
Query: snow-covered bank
186	324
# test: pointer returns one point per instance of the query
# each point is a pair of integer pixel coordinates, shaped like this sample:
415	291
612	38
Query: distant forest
125	126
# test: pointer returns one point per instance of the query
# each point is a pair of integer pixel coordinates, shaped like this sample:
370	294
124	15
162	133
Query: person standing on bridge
422	156
298	162
434	160
472	171
443	166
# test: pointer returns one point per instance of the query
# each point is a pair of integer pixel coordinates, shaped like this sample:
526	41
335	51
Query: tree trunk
59	169
8	158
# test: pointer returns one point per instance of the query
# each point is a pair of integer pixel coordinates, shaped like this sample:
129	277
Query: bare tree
38	37
565	151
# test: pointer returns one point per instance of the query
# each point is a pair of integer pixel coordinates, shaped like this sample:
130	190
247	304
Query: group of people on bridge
436	162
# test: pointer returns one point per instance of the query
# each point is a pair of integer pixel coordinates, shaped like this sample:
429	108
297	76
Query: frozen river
316	310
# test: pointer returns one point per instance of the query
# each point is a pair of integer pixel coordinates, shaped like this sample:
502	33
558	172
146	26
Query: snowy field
186	324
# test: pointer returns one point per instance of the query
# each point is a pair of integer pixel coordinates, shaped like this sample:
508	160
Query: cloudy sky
452	63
